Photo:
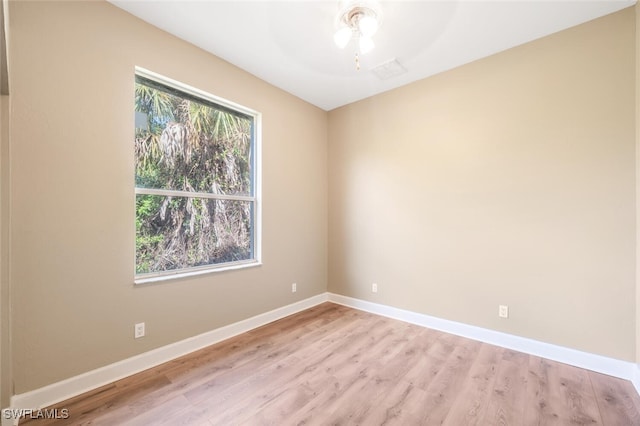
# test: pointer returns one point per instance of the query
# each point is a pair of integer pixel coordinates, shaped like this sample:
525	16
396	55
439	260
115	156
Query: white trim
601	364
188	194
635	380
167	81
8	421
155	277
77	385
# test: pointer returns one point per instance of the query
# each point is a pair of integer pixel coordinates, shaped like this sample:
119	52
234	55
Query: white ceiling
290	43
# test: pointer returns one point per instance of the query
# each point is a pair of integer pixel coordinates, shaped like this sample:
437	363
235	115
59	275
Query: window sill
167	276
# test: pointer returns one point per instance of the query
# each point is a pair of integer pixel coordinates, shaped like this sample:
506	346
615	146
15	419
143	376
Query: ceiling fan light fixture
358	20
366	45
342	37
368	25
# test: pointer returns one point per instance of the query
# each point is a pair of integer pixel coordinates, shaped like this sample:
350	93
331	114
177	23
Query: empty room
319	212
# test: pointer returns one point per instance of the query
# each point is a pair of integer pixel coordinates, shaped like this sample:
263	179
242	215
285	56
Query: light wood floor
332	365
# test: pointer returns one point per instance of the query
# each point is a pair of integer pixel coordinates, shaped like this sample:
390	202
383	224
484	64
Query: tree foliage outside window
195	181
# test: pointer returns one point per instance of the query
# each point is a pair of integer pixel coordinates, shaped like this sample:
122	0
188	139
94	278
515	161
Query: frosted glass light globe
366	45
342	37
368	25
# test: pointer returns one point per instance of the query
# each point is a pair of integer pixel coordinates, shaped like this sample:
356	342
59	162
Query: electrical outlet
503	311
138	330
374	288
294	287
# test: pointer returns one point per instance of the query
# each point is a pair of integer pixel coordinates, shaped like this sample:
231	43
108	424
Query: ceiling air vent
389	69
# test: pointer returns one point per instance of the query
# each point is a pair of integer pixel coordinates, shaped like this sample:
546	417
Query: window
196	181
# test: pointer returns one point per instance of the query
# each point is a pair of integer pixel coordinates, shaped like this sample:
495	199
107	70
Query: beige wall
74	302
509	180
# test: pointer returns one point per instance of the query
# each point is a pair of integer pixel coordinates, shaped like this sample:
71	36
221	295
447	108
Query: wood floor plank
333	365
508	399
267	341
292	402
560	396
229	370
372	382
426	367
385	372
347	362
544	394
245	381
402	405
472	402
447	384
326	390
579	398
616	399
242	385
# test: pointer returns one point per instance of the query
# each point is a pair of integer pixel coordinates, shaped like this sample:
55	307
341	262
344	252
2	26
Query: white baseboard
8	421
601	364
635	380
77	385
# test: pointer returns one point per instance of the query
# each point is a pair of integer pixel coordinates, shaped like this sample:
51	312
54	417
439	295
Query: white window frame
254	198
